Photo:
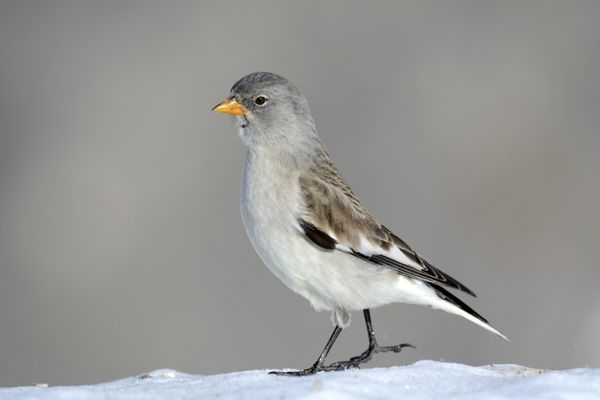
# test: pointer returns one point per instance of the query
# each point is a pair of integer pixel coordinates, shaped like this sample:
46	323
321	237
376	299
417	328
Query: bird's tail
454	305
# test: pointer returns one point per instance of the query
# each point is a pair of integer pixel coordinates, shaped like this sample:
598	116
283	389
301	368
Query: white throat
242	127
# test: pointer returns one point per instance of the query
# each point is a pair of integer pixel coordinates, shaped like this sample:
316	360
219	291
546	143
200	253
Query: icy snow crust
422	380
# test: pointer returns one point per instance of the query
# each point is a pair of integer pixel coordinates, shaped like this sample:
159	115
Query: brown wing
334	219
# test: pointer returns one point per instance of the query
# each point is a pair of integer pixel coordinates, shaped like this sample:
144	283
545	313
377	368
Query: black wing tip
441	276
430	275
446	295
465	289
450	281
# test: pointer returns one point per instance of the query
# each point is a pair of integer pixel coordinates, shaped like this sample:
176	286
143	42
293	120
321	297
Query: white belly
268	218
330	280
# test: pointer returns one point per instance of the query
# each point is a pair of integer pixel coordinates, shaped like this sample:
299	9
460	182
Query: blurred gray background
469	128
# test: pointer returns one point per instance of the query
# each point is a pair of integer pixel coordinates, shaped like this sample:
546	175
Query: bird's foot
304	372
313	370
396	348
366	356
317	367
354	362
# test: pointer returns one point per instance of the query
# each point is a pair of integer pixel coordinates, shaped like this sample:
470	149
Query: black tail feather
446	295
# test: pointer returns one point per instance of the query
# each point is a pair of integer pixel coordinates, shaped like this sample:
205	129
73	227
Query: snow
422	380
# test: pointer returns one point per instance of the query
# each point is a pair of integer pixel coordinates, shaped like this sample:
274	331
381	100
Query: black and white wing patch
392	252
316	236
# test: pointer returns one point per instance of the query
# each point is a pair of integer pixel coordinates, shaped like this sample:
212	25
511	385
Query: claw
374	348
354	362
396	348
313	369
304	372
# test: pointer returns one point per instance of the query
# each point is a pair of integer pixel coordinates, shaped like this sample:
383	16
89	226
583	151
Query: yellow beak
230	106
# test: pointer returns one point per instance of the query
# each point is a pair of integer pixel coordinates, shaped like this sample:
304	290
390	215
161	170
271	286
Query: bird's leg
354	362
373	348
318	365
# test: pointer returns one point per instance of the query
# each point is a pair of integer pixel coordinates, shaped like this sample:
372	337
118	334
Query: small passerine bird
310	229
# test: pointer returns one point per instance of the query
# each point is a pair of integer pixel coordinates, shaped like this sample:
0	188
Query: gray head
269	110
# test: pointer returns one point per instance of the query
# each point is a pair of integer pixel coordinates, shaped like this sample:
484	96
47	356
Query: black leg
318	365
373	348
354	362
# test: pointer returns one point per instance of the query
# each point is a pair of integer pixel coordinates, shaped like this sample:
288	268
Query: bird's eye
260	100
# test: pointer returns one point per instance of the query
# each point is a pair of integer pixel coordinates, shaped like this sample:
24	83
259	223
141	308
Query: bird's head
268	109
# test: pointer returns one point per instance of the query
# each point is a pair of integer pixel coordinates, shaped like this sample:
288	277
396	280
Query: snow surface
422	380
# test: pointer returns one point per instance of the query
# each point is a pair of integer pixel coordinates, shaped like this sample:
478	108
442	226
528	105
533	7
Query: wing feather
333	218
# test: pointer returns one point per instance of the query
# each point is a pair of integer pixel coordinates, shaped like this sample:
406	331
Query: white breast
269	196
330	280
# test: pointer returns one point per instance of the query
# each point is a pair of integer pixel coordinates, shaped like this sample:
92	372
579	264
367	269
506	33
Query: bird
309	228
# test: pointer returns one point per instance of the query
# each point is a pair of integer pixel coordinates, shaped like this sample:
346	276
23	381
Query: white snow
422	380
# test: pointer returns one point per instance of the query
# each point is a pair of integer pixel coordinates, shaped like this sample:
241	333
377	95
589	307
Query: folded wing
334	219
